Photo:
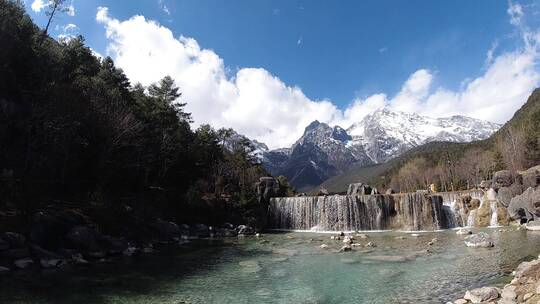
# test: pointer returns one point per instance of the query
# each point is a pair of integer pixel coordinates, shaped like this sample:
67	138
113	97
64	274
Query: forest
74	132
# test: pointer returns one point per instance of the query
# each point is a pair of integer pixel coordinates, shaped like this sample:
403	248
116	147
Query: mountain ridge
324	151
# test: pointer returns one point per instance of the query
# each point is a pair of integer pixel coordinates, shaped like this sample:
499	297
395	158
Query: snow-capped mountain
324	151
385	134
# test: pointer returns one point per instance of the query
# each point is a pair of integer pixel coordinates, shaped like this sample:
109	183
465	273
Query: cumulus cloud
68	31
253	101
258	104
38	5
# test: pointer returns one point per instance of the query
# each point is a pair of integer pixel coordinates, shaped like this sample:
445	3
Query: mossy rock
502	216
483	216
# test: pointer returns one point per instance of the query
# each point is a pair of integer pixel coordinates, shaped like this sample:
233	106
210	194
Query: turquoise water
286	268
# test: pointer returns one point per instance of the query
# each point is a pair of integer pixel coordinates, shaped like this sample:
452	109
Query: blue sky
294	61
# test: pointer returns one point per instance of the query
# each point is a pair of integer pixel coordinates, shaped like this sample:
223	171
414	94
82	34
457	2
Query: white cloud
516	13
69	31
38	5
253	101
71	10
259	105
164	7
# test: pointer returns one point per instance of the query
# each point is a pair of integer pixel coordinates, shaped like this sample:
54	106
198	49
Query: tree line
75	131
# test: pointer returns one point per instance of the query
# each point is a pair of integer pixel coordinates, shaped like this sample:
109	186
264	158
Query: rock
200	230
15	253
266	188
509	293
359	189
323	246
114	245
481	295
23	263
464	231
370	244
345	248
460	301
433	241
322	192
4	245
44	254
374	191
485	184
347	240
527	296
531	179
505	194
48	228
390	191
165	231
131	250
52	263
4	270
84	238
257	235
533	225
525	207
480	239
15	240
483	214
503	178
78	259
228	226
341	233
245	230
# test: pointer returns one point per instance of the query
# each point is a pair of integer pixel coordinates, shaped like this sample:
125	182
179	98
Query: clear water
286	268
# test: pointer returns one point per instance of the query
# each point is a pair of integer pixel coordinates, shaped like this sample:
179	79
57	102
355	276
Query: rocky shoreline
61	238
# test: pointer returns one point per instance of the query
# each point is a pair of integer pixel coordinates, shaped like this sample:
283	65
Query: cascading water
494	222
472	218
410	211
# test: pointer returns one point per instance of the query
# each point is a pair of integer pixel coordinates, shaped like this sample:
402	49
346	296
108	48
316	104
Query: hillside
525	123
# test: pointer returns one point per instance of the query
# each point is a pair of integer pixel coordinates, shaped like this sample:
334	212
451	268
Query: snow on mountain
385	134
324	151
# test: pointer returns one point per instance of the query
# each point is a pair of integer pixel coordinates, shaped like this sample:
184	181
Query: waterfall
494	222
472	218
410	211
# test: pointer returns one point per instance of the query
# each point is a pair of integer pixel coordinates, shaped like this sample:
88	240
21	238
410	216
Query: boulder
347	240
200	230
481	295
23	263
525	207
359	189
533	225
345	248
464	231
503	178
114	245
266	188
531	179
13	239
165	231
483	215
505	194
84	238
48	228
480	239
245	230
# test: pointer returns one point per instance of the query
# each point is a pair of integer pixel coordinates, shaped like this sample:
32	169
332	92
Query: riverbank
523	288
